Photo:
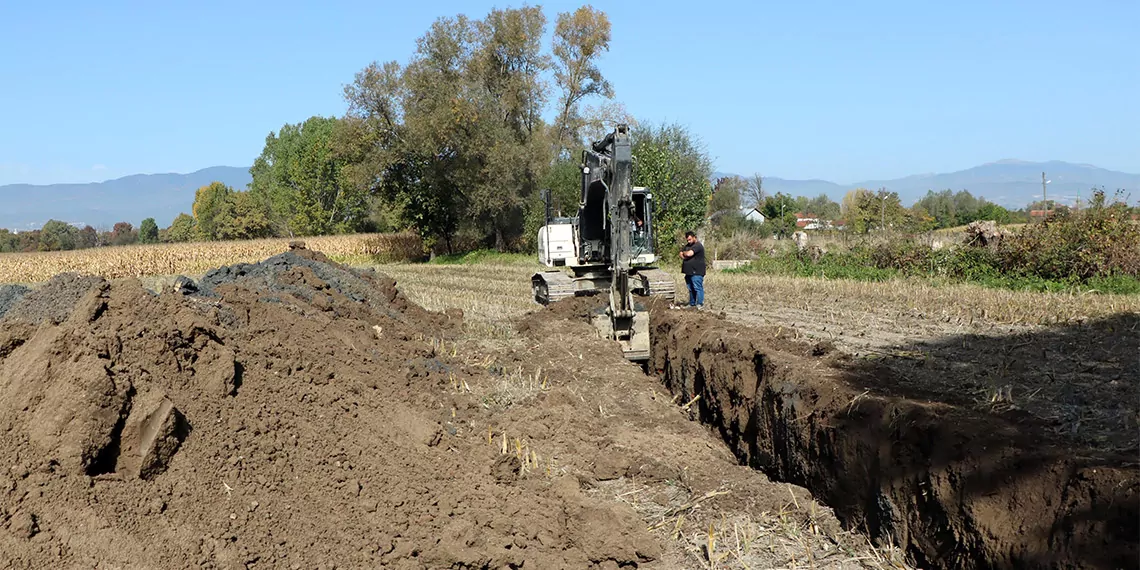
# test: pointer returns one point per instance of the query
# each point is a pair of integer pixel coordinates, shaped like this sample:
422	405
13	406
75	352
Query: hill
1010	183
101	204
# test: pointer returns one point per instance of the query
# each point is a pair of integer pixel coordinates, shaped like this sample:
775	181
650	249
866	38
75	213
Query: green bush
1101	241
1097	249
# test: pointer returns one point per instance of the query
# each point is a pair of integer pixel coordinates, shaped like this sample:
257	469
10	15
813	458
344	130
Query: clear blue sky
834	90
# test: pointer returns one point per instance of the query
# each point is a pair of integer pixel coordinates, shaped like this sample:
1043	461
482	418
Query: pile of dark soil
51	302
9	295
290	414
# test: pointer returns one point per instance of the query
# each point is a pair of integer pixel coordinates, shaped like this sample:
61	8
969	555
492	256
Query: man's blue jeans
696	285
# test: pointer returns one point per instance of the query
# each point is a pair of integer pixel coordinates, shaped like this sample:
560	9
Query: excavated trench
954	486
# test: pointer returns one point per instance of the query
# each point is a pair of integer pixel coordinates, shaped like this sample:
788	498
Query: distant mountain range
102	204
1010	183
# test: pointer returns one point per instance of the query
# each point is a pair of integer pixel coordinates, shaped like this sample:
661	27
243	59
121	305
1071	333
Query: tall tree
674	164
726	195
244	217
724	206
182	229
754	195
876	210
823	208
301	179
57	236
209	203
9	241
87	237
580	39
429	167
779	212
148	231
507	67
850	205
123	233
917	219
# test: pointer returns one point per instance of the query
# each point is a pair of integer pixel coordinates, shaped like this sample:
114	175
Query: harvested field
1049	382
299	413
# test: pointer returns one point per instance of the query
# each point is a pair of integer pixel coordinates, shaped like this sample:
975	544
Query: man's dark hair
689	233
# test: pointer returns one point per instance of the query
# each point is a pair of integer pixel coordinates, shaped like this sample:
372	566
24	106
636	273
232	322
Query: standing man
693	266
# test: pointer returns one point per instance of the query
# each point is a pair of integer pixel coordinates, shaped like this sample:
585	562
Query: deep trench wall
955	488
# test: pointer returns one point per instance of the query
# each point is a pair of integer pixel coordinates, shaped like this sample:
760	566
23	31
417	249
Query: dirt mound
292	413
956	487
53	301
575	309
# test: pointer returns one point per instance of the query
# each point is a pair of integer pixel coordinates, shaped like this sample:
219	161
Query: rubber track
658	283
558	286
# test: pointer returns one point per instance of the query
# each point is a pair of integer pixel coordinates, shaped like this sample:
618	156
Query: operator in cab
693	266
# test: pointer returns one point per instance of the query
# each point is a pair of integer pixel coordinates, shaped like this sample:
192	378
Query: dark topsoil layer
912	461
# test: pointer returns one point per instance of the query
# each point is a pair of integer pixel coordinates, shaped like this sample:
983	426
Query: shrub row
1096	248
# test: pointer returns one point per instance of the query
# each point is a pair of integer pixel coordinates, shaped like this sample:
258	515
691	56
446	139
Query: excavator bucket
634	341
630	329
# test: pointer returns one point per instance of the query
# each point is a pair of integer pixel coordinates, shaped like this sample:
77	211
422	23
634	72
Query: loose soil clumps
956	487
290	413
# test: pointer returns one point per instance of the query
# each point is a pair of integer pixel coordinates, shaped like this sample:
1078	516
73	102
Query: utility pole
783	223
1044	197
883	209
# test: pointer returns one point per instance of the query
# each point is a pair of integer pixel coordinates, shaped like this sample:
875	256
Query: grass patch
830	266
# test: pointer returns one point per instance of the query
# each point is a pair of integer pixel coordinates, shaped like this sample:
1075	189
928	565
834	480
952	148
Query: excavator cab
642	227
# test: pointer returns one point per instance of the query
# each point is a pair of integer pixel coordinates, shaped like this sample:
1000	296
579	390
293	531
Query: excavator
607	248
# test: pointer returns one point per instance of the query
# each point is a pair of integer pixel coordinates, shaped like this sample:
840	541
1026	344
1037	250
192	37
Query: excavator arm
626	324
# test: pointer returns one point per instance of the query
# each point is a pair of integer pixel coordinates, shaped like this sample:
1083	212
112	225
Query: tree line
56	235
860	210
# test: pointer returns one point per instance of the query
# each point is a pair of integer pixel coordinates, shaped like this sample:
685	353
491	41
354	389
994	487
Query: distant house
752	214
808	222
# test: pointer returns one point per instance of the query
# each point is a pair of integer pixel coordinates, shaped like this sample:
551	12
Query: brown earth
300	414
905	453
1079	380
